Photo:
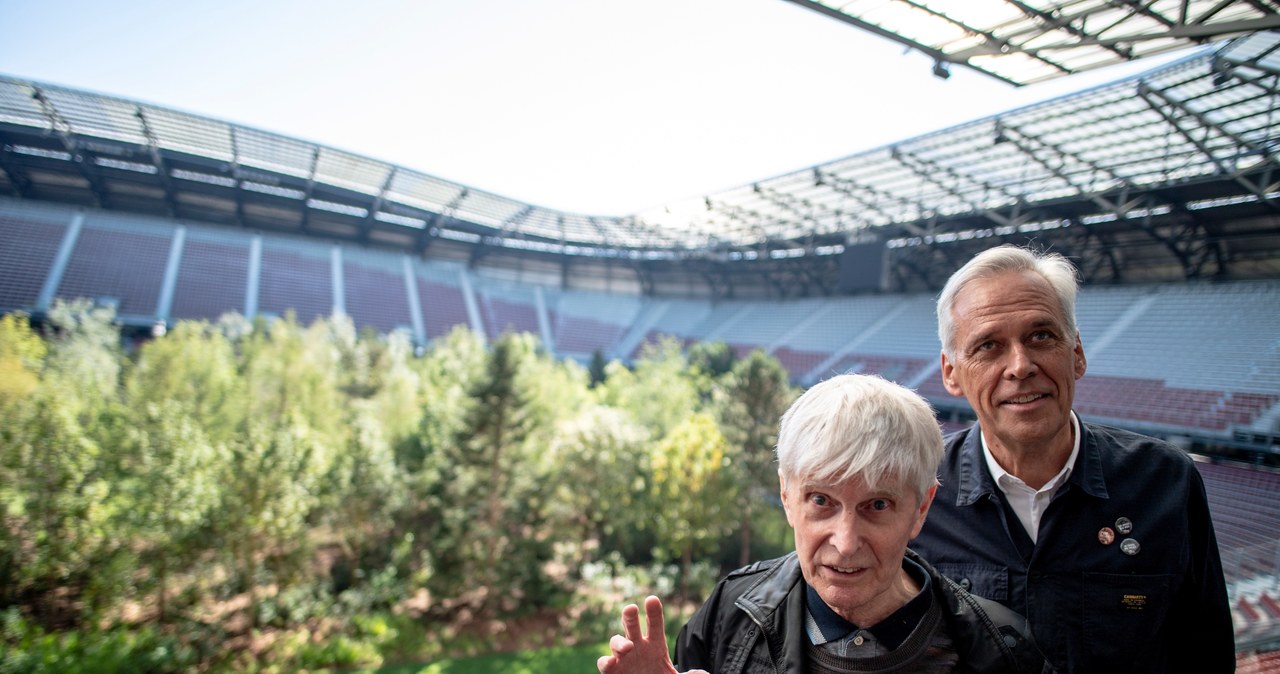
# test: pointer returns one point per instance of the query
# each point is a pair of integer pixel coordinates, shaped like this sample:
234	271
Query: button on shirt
1027	503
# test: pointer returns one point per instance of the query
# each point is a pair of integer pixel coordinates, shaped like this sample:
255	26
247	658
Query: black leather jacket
753	624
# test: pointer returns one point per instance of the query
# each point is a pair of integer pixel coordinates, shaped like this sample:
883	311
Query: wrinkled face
1014	361
850	541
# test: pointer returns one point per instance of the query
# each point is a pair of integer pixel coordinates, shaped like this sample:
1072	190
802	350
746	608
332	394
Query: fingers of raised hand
621	645
631	622
653	613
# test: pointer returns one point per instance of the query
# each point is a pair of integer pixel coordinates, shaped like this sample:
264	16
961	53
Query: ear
924	510
1081	364
786	504
949	377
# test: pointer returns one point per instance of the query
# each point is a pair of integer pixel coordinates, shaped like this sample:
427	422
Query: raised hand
636	653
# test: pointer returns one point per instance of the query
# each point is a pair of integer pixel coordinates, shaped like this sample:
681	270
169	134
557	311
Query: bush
142	650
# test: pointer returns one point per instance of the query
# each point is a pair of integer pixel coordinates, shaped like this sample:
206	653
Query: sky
598	107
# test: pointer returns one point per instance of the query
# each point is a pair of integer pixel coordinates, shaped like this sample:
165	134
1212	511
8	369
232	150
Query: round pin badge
1106	536
1124	526
1130	547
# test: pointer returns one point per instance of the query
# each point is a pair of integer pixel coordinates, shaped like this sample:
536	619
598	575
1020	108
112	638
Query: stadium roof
1167	153
1025	41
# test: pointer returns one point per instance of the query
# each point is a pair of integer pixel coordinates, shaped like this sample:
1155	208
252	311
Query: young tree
181	417
56	487
692	490
173	488
713	359
751	402
660	392
293	424
486	480
22	354
596	369
597	462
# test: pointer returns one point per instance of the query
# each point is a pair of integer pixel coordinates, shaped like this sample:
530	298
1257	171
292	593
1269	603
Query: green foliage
22	354
603	448
84	359
255	496
596	369
751	399
141	650
692	490
660	392
491	531
61	550
712	359
541	661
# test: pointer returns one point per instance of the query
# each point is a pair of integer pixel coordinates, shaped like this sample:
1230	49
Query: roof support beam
374	208
162	168
1162	108
62	129
17	177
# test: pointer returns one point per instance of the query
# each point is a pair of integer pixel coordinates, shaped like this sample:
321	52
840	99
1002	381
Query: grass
579	659
543	661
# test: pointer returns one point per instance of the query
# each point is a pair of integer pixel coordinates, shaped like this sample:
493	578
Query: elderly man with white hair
857	464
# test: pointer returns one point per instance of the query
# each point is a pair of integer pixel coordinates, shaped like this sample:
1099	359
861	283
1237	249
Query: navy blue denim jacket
1125	576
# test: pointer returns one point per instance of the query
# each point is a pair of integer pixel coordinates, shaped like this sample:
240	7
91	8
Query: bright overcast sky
599	107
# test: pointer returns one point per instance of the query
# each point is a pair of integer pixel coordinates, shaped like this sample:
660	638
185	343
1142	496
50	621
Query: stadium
1162	188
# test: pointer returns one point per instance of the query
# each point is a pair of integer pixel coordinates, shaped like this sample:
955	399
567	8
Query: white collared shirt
1027	503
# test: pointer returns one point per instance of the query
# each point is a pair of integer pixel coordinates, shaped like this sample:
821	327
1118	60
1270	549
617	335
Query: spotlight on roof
1222	71
941	69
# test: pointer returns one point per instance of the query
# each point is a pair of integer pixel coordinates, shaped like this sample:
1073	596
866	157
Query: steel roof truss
310	187
17	177
62	128
1023	140
1066	22
162	168
1147	94
918	165
849	189
374	208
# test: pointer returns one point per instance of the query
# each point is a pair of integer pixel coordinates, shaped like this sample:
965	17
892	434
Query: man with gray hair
857	463
1099	536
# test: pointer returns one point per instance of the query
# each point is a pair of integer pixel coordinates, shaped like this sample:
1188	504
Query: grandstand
1162	188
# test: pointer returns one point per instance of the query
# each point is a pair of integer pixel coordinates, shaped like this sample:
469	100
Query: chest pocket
1121	614
991	582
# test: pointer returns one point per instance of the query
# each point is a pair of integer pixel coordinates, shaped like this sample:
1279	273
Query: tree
752	401
22	354
181	416
64	556
173	486
487	481
292	424
713	359
597	461
660	392
597	369
692	490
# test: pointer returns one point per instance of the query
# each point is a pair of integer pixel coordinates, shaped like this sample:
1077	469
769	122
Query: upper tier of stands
1199	359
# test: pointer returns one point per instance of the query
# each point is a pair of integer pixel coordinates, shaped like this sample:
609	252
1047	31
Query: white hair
860	425
1055	269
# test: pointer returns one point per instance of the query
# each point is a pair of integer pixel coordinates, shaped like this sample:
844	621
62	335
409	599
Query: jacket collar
762	600
974	481
775	601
